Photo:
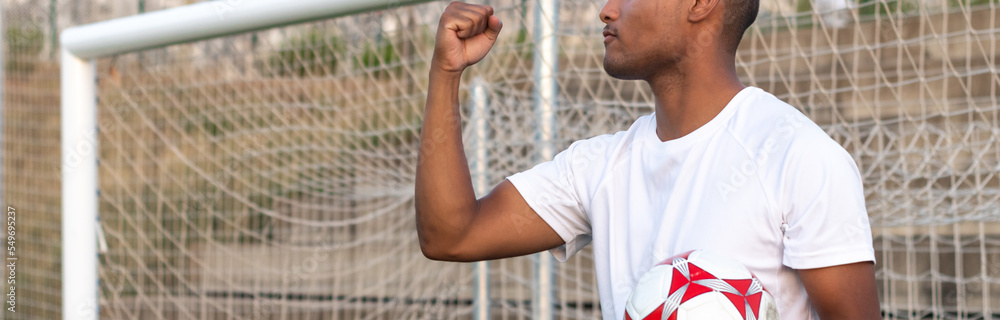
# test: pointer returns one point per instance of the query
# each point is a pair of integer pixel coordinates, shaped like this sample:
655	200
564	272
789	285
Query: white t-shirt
760	182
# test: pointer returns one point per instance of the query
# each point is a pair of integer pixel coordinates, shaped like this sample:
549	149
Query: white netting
30	139
270	174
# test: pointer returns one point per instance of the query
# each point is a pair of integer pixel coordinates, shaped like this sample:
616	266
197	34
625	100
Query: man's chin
619	71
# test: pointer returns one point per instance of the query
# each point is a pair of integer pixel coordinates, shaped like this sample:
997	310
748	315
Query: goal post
79	187
80	45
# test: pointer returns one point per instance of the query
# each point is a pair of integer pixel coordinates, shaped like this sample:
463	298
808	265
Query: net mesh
270	174
29	176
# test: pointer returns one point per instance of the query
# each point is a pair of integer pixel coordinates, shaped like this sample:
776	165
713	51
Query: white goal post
81	45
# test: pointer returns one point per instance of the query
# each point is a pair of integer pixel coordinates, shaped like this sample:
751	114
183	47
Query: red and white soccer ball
700	285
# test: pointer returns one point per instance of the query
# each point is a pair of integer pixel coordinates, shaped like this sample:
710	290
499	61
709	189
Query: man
717	166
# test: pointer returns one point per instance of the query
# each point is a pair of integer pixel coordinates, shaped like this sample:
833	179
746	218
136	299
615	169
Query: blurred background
269	175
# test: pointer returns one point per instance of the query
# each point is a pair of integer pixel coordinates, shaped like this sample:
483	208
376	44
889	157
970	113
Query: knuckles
457	7
466	19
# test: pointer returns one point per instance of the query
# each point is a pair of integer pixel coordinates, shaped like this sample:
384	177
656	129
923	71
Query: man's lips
608	36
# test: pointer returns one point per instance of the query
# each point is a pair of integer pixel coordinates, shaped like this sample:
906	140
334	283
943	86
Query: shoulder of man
771	130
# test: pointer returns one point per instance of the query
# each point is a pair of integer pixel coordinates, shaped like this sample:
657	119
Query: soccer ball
700	285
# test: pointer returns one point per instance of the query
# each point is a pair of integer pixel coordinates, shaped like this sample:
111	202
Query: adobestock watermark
969	289
740	174
860	227
209	200
87	310
224	7
588	152
85	148
432	139
296	277
11	260
542	201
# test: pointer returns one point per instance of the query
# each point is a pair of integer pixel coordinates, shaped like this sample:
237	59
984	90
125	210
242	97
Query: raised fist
465	34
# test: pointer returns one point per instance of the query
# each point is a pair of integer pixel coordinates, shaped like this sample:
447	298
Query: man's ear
699	10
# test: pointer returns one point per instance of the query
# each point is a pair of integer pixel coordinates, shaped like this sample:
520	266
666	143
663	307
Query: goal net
269	175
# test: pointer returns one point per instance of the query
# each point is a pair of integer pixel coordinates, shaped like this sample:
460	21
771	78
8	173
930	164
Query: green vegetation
970	3
314	53
887	7
525	47
24	45
318	53
377	56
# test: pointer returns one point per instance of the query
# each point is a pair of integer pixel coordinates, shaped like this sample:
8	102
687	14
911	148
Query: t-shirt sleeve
552	190
825	220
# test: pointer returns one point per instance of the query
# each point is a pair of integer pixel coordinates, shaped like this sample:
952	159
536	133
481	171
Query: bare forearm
445	199
445	202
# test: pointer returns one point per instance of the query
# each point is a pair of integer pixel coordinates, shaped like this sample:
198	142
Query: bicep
843	292
505	226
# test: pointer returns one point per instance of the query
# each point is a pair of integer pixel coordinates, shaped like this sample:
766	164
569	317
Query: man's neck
688	99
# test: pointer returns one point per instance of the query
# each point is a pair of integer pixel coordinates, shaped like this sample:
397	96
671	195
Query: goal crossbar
81	45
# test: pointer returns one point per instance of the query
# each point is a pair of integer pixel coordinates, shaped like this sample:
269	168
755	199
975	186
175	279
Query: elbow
441	242
434	253
437	252
432	246
429	250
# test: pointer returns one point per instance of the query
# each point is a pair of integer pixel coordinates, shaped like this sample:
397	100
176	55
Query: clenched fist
465	34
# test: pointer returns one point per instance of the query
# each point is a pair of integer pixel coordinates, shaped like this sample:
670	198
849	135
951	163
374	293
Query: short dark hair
740	14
